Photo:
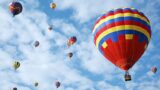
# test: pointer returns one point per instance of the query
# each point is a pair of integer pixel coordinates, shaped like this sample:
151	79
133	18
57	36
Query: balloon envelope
14	88
36	44
16	65
71	40
70	55
122	35
36	84
15	8
154	69
57	84
53	5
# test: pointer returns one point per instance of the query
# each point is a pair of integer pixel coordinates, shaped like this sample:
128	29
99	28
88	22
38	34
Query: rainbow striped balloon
122	36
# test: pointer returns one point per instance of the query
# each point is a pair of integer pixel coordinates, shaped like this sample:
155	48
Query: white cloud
86	10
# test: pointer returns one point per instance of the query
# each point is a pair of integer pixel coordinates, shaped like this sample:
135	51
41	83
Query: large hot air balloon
16	65
122	35
53	5
58	84
15	8
71	41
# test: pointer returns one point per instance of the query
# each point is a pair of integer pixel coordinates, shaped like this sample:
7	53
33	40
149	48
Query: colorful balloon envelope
15	8
71	41
122	35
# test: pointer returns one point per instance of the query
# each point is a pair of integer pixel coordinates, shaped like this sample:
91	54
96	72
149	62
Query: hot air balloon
36	44
154	69
122	35
15	8
14	88
50	28
52	5
58	84
70	55
36	84
16	65
71	41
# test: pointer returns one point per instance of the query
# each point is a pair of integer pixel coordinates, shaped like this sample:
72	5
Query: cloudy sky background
88	69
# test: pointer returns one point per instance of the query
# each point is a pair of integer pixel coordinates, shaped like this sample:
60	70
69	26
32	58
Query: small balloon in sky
36	84
16	65
71	41
36	43
154	69
70	54
15	8
14	88
58	84
53	5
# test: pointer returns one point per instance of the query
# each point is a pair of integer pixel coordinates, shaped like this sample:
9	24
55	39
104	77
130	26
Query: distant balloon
16	65
15	8
58	84
70	55
36	84
154	69
36	44
14	88
50	28
71	41
53	5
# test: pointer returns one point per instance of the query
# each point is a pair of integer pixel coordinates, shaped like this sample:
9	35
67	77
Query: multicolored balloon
122	35
15	7
71	41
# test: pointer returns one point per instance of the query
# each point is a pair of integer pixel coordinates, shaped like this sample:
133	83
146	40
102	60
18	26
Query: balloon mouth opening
125	67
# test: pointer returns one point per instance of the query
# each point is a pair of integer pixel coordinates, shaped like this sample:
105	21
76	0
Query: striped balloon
122	36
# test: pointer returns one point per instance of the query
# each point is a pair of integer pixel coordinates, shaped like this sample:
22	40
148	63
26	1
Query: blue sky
88	69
